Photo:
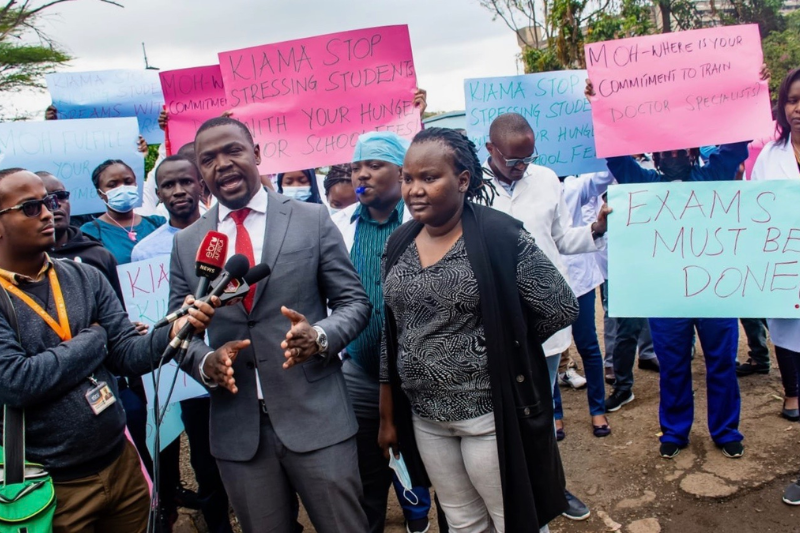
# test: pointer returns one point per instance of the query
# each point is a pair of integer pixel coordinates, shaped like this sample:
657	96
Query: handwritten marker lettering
708	78
307	101
110	94
553	104
712	249
71	150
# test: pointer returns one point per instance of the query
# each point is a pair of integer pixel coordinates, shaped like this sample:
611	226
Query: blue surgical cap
381	146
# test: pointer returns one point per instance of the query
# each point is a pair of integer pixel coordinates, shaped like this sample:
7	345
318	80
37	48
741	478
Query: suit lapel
279	212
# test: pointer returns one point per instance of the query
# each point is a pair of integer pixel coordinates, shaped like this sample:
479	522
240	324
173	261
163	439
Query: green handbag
27	495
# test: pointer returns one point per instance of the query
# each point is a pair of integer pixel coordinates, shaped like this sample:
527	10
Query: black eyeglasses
33	208
60	195
511	163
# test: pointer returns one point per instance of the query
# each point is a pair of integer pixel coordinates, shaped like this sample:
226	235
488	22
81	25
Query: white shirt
777	162
256	226
538	201
581	196
151	205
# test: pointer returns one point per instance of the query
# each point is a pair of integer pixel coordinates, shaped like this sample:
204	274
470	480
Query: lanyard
62	327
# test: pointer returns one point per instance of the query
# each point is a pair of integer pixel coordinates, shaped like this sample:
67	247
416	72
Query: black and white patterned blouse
441	358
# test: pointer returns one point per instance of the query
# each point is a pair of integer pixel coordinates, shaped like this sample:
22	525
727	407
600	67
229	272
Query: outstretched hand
301	340
218	366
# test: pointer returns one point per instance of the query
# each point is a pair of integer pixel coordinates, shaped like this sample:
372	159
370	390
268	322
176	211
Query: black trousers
195	413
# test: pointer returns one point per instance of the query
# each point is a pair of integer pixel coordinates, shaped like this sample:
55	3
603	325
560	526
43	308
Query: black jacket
90	251
530	466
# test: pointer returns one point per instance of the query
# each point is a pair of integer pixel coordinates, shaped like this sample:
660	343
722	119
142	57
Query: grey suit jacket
308	404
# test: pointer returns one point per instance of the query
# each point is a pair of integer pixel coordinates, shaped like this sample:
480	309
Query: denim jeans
585	335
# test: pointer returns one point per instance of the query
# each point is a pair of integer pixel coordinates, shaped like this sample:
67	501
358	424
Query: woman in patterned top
465	390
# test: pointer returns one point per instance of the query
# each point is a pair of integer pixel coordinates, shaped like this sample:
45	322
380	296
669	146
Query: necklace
130	232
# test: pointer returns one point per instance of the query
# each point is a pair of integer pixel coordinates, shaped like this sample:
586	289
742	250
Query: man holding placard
673	337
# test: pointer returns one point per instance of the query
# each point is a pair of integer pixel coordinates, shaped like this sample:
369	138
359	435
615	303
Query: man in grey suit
281	419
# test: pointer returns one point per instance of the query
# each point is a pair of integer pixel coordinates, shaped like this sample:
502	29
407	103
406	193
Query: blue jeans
719	339
585	335
552	369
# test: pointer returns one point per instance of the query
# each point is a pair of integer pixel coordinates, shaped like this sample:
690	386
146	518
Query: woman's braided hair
97	172
336	175
465	157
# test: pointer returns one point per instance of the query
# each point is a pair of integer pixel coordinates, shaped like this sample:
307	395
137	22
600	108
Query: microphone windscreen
257	273
211	255
237	266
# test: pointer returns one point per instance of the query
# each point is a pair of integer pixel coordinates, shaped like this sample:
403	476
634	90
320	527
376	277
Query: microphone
207	266
230	294
210	258
235	269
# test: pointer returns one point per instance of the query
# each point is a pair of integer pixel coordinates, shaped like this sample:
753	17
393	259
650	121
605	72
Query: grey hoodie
50	378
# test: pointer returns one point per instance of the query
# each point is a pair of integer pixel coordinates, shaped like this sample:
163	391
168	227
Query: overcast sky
451	39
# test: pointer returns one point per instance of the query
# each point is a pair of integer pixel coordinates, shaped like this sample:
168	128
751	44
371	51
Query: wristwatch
322	340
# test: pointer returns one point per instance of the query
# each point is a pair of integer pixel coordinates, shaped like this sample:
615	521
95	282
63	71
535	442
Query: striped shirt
370	240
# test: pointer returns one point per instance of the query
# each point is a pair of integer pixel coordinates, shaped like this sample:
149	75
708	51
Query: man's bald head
507	126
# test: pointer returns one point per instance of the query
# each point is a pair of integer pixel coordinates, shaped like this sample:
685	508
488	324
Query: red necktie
244	246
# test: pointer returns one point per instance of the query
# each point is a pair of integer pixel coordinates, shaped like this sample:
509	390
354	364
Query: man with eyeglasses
71	243
58	366
533	194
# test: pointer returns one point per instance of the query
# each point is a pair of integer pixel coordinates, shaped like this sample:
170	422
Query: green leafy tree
26	52
782	52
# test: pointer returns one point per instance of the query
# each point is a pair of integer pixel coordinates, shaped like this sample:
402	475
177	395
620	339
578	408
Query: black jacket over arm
530	466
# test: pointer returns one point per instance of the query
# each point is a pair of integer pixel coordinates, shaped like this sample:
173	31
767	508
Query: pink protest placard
307	101
677	90
192	96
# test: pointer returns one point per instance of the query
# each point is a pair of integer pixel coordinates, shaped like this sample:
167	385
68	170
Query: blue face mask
123	198
333	210
301	194
400	470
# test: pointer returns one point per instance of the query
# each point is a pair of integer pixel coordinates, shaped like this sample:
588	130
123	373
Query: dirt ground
631	489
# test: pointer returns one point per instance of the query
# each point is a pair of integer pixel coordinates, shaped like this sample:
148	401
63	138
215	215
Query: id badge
100	397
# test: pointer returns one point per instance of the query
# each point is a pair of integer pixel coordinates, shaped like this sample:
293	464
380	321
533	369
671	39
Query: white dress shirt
538	201
256	226
581	196
777	162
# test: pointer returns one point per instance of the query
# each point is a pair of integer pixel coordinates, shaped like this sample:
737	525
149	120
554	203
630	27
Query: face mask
400	470
301	194
123	198
676	168
333	210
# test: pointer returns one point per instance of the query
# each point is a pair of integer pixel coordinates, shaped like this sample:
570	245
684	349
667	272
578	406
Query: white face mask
333	210
301	194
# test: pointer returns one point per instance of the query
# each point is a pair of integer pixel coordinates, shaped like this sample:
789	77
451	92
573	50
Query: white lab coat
777	162
538	201
581	196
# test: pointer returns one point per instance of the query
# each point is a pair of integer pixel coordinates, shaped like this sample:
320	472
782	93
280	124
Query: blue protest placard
145	288
711	249
71	150
171	427
555	107
110	94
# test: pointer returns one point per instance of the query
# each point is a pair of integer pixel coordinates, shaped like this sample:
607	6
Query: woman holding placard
780	160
